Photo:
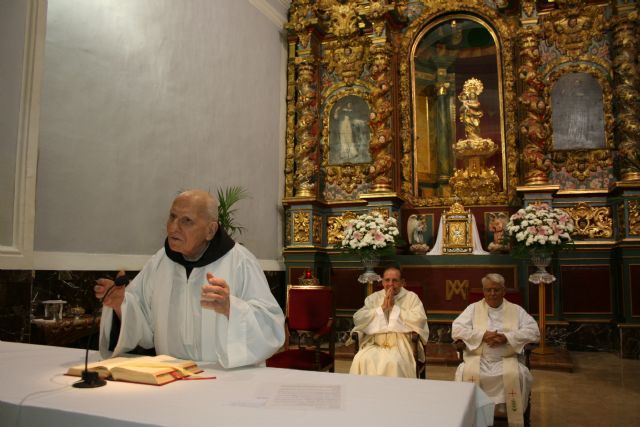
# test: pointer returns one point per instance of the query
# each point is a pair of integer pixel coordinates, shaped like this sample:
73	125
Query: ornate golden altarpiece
381	116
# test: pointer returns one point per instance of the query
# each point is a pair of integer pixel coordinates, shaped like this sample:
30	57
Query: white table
34	392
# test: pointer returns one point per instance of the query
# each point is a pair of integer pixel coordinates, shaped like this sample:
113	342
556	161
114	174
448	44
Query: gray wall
144	98
12	27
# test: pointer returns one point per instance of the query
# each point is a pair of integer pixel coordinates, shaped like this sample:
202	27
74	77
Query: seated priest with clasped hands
495	332
201	297
383	326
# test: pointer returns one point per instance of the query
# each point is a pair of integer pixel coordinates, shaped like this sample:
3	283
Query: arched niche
445	54
504	37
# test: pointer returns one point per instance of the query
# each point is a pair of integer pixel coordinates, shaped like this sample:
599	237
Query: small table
65	331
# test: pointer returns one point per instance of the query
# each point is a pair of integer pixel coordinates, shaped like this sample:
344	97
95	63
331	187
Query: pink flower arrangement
371	235
540	229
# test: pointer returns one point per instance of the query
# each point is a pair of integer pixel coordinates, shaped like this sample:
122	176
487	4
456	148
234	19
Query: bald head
192	223
203	200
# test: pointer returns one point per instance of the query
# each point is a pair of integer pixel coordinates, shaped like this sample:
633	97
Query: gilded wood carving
335	227
634	217
534	126
627	93
591	222
574	26
301	230
306	130
317	229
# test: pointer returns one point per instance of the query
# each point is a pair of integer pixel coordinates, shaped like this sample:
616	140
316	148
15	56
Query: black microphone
91	379
120	281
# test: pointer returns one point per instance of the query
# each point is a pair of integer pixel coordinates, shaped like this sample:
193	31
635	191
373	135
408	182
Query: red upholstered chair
309	343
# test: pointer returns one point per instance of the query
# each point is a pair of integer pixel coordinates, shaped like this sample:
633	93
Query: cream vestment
385	348
495	368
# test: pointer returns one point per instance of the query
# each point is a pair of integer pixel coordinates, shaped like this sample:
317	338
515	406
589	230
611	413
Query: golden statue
474	180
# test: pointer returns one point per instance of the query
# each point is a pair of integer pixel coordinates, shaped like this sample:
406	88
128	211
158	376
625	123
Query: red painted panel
442	285
348	292
585	289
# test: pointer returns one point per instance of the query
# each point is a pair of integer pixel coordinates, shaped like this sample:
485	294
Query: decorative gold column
381	136
289	160
301	163
626	94
534	127
306	146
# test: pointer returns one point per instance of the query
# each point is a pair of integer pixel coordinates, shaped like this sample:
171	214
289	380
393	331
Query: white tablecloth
34	392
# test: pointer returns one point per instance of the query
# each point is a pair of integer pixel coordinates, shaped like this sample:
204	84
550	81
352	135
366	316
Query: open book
155	370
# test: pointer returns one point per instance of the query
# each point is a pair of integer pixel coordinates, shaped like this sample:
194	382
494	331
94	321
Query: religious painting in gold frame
457	235
349	132
346	159
446	53
582	122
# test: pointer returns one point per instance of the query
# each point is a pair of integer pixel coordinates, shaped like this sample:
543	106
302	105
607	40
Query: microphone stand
91	379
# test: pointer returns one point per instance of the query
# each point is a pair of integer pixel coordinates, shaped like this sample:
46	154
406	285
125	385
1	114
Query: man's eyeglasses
492	291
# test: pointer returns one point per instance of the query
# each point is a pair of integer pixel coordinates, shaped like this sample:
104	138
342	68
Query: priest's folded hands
494	338
215	295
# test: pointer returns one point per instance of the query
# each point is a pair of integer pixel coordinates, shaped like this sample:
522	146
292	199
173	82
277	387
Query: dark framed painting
577	113
349	131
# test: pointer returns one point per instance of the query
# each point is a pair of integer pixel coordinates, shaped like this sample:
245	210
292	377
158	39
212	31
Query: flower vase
541	278
369	276
541	262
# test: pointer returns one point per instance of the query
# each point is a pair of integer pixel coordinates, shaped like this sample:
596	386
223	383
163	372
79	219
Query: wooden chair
460	346
421	367
309	341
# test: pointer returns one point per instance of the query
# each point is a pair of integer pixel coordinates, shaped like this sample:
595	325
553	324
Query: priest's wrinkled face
392	278
191	223
493	292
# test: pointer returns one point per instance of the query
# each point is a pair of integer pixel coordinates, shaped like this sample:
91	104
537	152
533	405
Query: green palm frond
227	198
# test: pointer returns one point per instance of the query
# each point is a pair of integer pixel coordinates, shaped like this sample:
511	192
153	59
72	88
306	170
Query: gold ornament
591	222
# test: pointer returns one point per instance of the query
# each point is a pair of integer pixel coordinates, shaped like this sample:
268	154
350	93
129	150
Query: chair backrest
309	307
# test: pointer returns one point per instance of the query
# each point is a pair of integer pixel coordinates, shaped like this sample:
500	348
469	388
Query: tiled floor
603	391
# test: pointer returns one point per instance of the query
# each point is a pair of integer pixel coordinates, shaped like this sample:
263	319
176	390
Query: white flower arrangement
539	228
371	235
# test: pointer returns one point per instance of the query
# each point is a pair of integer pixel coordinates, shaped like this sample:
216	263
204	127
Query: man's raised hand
215	295
113	298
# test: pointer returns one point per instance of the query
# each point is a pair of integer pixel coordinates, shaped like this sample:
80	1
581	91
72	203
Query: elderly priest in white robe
201	297
382	326
495	332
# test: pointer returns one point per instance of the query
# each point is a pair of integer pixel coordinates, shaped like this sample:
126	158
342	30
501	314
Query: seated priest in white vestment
383	326
495	332
202	297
